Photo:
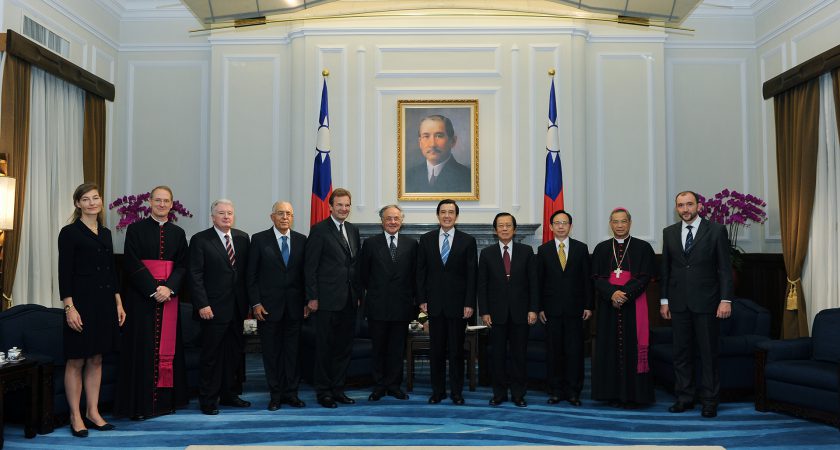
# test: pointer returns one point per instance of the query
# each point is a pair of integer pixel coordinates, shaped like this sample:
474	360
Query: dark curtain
797	133
93	144
14	141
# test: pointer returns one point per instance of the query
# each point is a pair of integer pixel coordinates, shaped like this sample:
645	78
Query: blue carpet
416	423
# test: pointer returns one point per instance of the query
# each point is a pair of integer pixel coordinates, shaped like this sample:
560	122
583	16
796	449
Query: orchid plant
736	211
133	208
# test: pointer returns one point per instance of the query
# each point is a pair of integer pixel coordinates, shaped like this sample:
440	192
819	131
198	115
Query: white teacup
2	357
14	354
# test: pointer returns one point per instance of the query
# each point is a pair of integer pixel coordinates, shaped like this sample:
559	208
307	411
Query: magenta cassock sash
160	271
642	325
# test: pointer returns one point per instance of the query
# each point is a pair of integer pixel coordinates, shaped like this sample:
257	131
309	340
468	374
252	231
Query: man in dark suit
218	256
332	287
508	301
276	293
388	271
440	172
446	277
563	268
696	290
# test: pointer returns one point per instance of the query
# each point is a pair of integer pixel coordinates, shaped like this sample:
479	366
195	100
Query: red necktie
506	260
229	249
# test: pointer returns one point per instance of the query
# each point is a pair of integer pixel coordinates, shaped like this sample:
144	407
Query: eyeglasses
283	214
619	222
560	222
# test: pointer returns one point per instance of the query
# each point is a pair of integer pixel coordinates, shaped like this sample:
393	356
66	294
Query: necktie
506	260
561	253
229	249
284	249
344	238
432	179
444	249
689	239
393	248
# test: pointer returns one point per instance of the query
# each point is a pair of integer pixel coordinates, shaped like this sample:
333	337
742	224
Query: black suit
447	290
694	284
508	300
217	284
564	294
389	304
454	177
279	288
332	279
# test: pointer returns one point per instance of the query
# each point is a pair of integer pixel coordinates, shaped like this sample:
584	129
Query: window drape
94	141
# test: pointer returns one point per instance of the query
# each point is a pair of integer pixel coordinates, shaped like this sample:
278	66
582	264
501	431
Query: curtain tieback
791	303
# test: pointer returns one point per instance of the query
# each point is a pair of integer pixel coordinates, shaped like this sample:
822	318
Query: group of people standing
283	277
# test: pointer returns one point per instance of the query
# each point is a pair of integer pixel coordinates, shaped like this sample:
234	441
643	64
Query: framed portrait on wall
437	149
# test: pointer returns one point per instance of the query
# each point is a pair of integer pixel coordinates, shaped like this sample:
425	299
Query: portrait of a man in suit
438	150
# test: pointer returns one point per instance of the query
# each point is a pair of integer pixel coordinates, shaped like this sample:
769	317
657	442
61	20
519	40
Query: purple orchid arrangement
735	210
133	208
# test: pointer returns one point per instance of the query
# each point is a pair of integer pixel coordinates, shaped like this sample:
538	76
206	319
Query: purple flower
733	209
133	208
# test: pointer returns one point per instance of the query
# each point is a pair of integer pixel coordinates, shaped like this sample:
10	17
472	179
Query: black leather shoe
553	400
520	402
398	394
574	401
496	401
138	417
436	398
327	402
375	396
343	399
210	410
295	402
83	433
236	402
457	400
104	427
679	407
273	405
709	411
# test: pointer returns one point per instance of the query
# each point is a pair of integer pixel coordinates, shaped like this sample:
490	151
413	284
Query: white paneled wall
642	113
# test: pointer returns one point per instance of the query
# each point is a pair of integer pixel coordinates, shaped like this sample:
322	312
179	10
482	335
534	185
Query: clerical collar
158	221
621	241
436	169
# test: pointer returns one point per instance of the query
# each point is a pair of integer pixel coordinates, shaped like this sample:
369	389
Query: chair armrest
800	348
661	335
740	345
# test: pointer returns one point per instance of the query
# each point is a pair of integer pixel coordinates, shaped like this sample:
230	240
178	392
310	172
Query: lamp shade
7	203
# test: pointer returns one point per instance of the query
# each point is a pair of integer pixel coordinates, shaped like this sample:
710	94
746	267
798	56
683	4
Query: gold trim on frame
454	109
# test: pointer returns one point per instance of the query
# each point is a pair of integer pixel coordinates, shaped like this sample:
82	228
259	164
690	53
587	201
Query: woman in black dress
87	283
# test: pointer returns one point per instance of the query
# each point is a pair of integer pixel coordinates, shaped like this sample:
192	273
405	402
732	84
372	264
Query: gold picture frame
457	154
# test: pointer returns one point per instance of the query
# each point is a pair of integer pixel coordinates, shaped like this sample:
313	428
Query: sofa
802	376
748	325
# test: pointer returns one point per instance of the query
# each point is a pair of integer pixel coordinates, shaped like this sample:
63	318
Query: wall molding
766	117
492	49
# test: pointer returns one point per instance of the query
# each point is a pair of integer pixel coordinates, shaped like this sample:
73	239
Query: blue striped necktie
444	249
284	249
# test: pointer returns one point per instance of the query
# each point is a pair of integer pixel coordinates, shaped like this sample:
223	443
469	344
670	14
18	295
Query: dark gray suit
694	284
389	304
455	177
279	288
332	278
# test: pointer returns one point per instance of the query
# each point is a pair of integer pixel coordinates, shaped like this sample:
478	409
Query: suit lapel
338	237
276	247
216	243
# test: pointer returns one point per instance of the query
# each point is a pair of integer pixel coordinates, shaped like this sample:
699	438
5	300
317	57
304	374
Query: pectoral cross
618	272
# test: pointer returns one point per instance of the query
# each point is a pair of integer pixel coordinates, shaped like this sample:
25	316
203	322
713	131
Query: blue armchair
739	334
802	376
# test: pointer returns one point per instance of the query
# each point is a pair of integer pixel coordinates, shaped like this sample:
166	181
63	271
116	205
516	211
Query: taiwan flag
553	198
322	172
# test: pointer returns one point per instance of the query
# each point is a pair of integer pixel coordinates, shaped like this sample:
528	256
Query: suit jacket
213	281
564	291
699	280
449	288
389	286
272	283
330	268
455	177
501	296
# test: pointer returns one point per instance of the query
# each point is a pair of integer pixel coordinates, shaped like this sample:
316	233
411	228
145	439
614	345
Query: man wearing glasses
563	270
276	293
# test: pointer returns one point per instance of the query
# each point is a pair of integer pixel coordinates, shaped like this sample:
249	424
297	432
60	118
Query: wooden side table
475	340
16	376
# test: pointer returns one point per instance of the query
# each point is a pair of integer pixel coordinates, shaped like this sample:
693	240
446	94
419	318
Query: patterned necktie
344	238
284	249
229	249
689	239
444	249
561	253
506	260
393	248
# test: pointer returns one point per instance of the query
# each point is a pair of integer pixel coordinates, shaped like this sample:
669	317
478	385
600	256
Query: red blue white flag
322	172
553	198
